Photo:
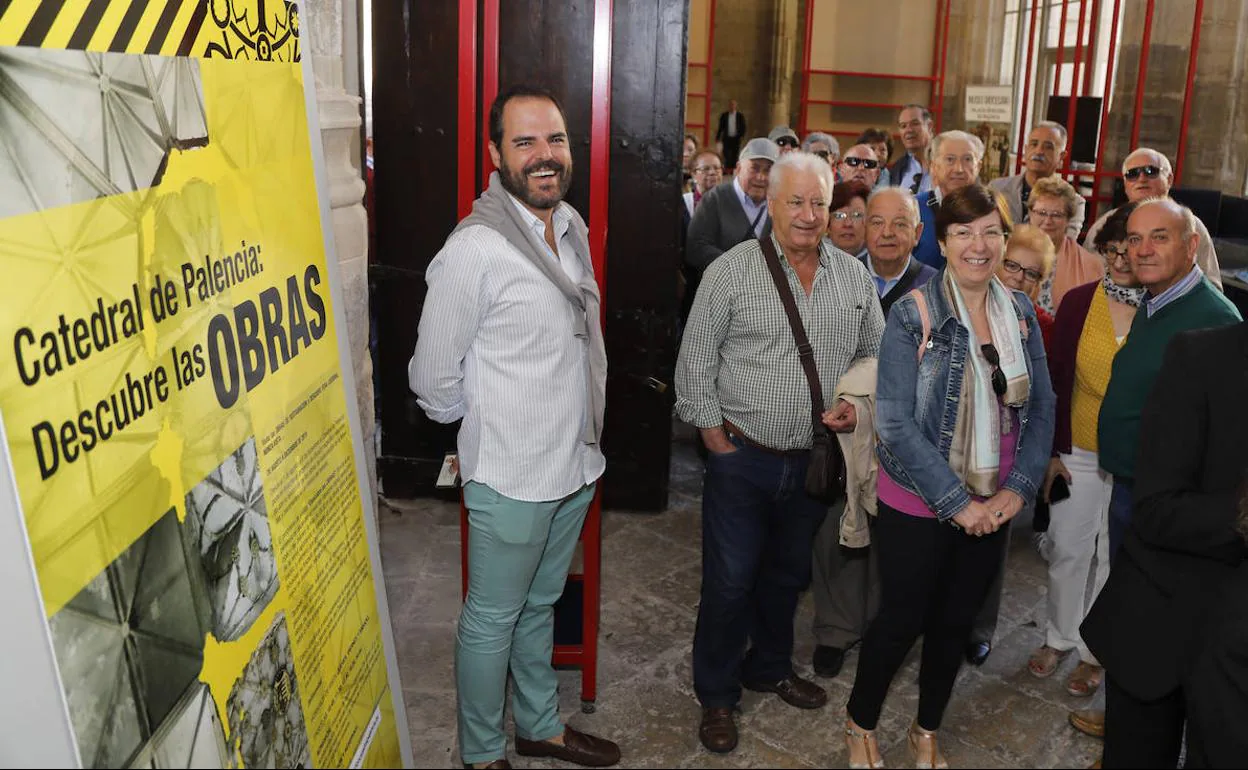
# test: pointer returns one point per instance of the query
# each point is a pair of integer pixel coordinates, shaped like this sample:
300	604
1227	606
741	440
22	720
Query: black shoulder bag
825	476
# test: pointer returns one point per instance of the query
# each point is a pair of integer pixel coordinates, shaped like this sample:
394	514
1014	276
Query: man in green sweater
1162	241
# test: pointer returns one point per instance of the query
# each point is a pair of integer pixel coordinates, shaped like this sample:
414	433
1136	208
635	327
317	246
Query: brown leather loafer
577	747
498	764
794	691
1089	722
718	731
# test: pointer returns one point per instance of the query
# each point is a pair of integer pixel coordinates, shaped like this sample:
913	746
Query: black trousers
1142	733
933	580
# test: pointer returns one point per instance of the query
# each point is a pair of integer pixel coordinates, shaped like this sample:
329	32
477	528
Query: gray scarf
495	210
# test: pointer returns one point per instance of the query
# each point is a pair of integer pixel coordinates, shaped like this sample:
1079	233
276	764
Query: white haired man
1146	174
1042	157
955	157
740	380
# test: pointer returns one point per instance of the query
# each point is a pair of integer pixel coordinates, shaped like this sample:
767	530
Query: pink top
899	498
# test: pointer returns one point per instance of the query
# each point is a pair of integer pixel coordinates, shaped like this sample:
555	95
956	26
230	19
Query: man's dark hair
1115	228
517	91
873	135
927	114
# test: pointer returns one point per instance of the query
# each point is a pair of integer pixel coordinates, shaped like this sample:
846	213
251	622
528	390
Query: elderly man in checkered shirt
740	381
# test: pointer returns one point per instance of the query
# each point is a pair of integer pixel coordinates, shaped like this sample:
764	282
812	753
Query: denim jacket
917	403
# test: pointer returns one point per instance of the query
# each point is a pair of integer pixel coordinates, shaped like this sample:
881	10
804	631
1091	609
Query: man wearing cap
734	211
785	138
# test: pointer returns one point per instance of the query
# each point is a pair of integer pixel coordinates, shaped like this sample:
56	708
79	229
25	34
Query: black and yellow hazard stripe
161	27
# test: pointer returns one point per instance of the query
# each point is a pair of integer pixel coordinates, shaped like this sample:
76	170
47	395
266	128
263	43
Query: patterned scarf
1123	294
975	454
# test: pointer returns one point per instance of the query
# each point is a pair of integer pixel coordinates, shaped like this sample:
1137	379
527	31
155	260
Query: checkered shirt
738	360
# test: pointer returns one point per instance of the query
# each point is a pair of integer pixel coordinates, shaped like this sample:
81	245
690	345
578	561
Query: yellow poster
173	400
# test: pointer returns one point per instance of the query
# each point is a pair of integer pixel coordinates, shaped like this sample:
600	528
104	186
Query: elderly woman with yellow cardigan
1090	328
1051	205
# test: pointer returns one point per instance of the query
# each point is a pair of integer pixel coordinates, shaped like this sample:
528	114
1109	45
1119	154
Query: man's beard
518	184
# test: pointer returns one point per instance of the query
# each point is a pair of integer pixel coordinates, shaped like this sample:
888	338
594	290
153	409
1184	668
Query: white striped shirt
497	349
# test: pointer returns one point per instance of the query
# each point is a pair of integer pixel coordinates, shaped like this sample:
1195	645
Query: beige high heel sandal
924	749
862	747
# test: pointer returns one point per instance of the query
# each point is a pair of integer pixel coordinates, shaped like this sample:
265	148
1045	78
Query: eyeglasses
1133	174
1011	266
708	169
823	154
967	235
867	163
842	215
786	141
1042	214
994	360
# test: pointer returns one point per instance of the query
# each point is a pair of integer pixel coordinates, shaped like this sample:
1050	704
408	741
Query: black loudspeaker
1082	146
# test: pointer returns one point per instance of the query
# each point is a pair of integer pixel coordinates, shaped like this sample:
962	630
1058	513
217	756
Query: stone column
340	136
784	64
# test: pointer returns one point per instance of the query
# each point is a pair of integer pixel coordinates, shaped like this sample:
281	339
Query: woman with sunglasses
964	411
847	225
1091	326
1050	207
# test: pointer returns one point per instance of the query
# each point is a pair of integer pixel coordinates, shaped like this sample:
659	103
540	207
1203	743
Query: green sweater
1137	364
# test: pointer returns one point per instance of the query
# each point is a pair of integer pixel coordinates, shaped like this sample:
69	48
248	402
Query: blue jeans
1119	515
758	529
518	559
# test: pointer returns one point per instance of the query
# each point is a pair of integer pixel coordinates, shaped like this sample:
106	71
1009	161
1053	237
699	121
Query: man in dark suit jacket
730	132
1181	548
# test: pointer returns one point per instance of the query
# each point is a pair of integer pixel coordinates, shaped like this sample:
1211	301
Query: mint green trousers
518	559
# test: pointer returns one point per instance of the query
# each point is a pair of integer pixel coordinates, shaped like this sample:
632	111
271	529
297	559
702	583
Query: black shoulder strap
908	278
752	233
805	353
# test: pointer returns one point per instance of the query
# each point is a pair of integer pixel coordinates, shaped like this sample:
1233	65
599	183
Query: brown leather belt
733	430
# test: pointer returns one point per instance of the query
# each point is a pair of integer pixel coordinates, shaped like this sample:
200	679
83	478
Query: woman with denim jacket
964	411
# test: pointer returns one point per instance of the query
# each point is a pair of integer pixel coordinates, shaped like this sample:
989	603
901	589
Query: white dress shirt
497	349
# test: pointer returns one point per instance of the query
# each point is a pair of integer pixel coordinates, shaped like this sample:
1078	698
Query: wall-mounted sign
989	104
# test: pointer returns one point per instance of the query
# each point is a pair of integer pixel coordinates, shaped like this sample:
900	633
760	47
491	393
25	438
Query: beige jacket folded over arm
857	387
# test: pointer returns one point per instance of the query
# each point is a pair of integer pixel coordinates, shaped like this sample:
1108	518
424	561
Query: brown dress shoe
794	691
718	731
498	764
577	747
1089	722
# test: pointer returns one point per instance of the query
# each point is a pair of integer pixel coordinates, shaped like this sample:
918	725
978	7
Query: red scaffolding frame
936	97
705	125
582	655
1083	53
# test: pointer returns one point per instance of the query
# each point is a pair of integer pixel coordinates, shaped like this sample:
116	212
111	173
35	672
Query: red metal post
1143	74
1093	22
467	101
710	68
1022	120
600	143
1105	95
806	72
489	81
944	58
1071	115
1061	49
1187	93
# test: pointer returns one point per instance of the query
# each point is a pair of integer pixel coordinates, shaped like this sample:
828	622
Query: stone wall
744	41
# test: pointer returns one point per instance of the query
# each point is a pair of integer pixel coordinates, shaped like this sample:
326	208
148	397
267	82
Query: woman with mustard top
1091	326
